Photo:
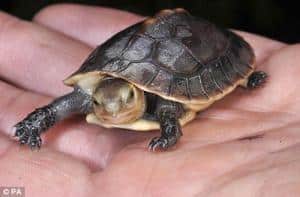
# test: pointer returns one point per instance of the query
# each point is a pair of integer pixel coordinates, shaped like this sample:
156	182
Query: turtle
156	74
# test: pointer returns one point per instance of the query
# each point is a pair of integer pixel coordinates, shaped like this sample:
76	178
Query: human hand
215	156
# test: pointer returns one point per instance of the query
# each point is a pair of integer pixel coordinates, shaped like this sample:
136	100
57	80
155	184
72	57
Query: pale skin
213	158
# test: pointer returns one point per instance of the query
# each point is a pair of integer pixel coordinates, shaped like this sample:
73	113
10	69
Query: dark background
276	19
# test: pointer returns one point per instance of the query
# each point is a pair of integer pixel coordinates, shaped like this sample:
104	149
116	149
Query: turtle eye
96	102
131	95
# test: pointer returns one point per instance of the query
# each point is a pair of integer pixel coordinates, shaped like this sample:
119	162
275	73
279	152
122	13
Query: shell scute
161	82
139	49
196	88
167	52
140	73
179	88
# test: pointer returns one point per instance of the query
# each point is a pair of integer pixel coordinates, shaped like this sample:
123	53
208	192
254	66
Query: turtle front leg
167	113
28	130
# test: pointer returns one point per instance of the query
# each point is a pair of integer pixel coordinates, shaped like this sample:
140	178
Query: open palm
246	144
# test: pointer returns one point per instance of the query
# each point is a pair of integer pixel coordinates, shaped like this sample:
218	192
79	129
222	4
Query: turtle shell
176	56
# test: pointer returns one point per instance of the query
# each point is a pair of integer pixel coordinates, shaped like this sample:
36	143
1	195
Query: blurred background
276	19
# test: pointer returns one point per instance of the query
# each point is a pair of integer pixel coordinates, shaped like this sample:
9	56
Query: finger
86	23
47	48
41	171
5	143
90	24
263	47
91	144
37	58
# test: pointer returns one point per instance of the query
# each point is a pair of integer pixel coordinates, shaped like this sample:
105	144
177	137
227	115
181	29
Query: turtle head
117	101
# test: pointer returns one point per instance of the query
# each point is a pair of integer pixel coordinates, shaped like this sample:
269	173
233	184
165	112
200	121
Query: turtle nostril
112	108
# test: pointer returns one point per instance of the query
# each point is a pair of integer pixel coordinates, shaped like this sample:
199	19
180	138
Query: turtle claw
158	143
35	142
26	136
28	130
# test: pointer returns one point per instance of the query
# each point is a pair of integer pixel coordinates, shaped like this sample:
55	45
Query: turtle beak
113	108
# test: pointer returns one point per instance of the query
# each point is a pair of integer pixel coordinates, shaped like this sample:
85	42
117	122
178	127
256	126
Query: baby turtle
156	74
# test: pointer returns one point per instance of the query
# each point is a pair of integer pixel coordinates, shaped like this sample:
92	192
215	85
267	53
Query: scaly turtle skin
155	74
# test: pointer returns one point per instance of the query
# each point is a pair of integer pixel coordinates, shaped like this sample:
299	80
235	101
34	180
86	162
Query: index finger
94	25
